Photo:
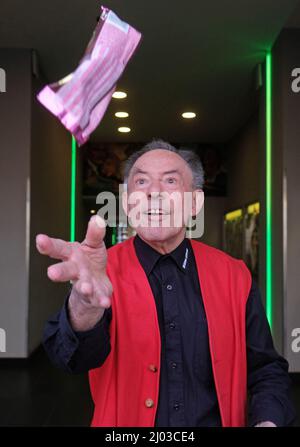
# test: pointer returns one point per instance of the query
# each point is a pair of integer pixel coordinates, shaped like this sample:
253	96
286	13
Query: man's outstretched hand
84	264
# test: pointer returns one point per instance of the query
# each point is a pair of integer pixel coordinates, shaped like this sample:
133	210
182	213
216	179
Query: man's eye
171	180
140	181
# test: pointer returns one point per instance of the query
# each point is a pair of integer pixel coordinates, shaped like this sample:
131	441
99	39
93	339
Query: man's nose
154	189
154	195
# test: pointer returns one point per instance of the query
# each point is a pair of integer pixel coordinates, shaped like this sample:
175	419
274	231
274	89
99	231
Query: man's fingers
97	296
95	232
63	271
84	287
103	293
102	299
104	302
55	248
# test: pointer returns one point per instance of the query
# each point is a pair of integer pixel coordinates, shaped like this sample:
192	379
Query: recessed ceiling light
93	211
124	129
119	95
121	114
188	115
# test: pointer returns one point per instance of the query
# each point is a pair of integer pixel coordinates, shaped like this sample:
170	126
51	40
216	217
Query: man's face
156	199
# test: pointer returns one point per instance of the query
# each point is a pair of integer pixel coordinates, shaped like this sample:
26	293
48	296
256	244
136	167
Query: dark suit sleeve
268	379
76	352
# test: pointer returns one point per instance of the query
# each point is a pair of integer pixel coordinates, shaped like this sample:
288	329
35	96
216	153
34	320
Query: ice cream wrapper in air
80	99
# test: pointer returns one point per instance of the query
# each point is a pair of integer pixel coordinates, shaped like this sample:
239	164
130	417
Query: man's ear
198	201
125	202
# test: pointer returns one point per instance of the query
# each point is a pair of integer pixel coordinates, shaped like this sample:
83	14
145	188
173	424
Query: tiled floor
34	393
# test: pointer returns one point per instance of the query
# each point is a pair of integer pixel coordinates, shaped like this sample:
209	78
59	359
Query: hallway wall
34	196
50	210
286	189
14	181
244	154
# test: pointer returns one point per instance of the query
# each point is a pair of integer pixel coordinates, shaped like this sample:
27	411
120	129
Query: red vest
125	388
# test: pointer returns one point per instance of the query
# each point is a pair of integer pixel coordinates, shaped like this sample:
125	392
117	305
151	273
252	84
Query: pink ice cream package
80	99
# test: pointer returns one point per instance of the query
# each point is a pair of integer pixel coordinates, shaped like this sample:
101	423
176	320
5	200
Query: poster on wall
241	236
214	165
233	233
251	238
103	166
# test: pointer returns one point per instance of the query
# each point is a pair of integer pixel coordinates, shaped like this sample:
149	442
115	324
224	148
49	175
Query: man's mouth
156	212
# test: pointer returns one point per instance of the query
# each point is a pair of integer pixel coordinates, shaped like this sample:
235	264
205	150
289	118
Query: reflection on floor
37	394
34	393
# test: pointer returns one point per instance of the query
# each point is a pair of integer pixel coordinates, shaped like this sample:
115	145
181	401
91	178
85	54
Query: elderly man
171	330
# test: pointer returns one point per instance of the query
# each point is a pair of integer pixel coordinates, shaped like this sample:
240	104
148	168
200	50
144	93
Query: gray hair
189	156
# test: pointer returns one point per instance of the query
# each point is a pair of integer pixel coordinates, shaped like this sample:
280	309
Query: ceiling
294	19
195	55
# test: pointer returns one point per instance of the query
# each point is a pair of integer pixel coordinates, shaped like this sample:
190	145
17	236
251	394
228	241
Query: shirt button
169	287
174	365
149	403
176	407
152	368
172	325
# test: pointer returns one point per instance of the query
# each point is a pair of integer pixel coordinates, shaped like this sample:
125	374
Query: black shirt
187	395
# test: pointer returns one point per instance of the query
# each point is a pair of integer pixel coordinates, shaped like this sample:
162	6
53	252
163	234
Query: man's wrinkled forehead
136	170
159	161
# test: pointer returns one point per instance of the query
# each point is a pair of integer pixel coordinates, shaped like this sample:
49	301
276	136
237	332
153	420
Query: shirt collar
148	256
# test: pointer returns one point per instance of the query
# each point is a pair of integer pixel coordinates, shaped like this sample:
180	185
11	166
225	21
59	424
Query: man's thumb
95	232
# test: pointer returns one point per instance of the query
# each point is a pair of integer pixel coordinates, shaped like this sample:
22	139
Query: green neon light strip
73	191
269	310
114	236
